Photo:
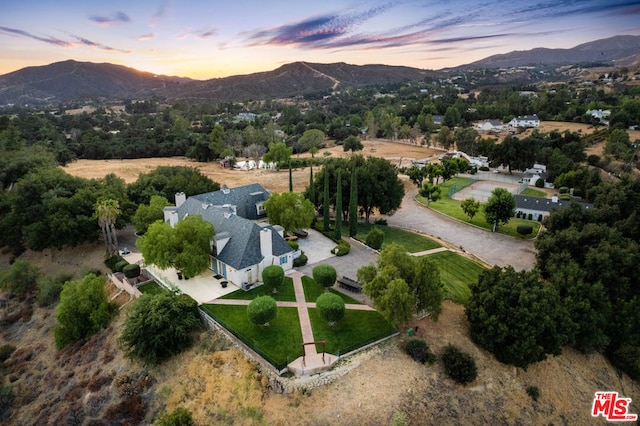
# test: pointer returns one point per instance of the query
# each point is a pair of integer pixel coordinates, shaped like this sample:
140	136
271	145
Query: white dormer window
260	209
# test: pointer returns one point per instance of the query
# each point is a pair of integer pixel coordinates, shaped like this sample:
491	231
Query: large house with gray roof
241	247
541	207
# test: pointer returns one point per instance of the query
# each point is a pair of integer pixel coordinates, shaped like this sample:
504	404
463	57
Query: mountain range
69	81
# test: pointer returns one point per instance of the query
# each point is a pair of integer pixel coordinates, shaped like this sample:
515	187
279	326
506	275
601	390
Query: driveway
493	248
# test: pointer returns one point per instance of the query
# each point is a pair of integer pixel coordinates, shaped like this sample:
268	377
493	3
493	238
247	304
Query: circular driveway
493	248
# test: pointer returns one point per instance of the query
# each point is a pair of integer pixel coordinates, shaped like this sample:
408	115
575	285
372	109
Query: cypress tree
312	194
338	226
325	201
290	178
353	204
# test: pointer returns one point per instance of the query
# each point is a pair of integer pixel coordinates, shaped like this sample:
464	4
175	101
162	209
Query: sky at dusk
205	39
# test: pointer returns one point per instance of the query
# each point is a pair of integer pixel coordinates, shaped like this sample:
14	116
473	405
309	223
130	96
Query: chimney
180	199
266	248
168	213
554	199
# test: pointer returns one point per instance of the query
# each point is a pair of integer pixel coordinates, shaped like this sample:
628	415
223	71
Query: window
260	209
283	259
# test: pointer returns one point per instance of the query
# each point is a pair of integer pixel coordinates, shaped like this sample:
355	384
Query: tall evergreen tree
312	194
353	204
325	201
338	209
290	178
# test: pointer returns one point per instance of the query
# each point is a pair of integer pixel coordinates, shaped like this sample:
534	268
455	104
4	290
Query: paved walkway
312	362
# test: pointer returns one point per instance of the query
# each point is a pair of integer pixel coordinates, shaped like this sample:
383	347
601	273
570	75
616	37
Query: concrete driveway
493	248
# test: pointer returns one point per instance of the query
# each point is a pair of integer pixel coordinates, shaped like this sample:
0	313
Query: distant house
241	247
489	125
601	115
525	121
541	207
437	119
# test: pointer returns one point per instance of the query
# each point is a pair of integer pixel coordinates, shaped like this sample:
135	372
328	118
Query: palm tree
107	211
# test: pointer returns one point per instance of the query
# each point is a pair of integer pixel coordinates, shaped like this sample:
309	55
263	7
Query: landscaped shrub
293	244
300	260
118	267
342	248
330	307
484	168
131	271
112	261
533	392
523	229
374	239
563	190
419	351
325	275
540	183
458	365
273	277
262	309
380	221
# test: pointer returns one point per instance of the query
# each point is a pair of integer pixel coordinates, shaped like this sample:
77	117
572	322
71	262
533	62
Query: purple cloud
49	40
116	18
87	42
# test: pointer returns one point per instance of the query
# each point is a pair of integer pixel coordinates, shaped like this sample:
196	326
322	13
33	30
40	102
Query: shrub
178	417
330	307
300	260
49	289
131	270
118	267
540	183
5	352
273	276
21	278
6	399
419	351
627	359
533	392
458	365
262	309
563	190
111	262
593	160
342	248
380	221
484	168
374	239
523	229
325	275
293	244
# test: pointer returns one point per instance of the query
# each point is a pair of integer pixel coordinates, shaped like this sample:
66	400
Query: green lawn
532	192
279	342
312	290
411	241
151	288
456	272
452	208
285	292
355	330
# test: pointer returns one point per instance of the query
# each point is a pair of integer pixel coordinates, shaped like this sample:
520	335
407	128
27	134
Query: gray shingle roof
543	204
244	198
243	248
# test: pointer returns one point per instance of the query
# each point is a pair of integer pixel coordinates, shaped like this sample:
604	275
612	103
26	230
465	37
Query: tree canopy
167	181
500	207
159	326
262	309
330	307
289	210
83	310
146	214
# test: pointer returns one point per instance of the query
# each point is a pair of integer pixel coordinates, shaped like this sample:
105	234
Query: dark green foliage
120	266
6	399
178	417
375	238
112	261
353	204
523	229
533	392
330	307
5	352
563	190
325	203
540	183
273	276
342	248
627	359
289	210
500	207
160	326
517	317
131	271
167	181
261	310
21	278
338	208
146	214
49	289
83	310
380	221
458	365
419	351
293	244
325	275
300	260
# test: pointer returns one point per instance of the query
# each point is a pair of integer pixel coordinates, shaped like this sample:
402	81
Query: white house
600	114
540	208
489	125
241	248
525	121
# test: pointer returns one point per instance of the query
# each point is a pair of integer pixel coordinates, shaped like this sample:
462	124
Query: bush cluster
524	229
374	238
111	262
342	248
419	351
533	392
300	260
131	270
458	365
